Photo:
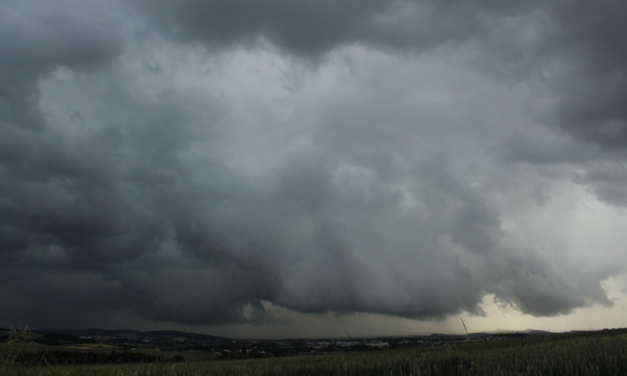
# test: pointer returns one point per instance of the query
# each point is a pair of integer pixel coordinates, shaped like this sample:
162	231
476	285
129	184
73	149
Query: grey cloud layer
37	39
576	46
117	199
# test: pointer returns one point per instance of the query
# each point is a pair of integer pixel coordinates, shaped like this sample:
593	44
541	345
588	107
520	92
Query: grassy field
593	353
27	345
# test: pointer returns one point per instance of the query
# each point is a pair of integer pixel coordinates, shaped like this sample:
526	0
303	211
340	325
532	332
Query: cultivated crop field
590	353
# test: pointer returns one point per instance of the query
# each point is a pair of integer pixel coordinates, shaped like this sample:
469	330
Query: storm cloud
196	162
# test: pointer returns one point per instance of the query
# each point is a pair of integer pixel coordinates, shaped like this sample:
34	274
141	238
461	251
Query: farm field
586	353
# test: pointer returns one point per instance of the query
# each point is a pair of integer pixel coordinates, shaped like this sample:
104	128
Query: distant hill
155	333
441	335
531	332
174	333
535	332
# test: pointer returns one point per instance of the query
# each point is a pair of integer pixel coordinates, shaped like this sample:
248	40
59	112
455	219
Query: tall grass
16	344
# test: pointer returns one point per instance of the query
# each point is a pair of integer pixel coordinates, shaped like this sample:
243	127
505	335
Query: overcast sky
284	168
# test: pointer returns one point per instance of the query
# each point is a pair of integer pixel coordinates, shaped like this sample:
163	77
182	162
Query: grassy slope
594	353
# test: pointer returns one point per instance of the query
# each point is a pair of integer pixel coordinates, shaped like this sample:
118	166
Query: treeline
54	358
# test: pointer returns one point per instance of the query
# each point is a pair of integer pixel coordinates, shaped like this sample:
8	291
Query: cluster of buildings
225	348
267	348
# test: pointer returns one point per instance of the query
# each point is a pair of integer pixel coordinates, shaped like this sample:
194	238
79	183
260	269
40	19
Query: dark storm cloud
311	29
575	46
35	40
592	92
308	28
128	207
607	182
537	285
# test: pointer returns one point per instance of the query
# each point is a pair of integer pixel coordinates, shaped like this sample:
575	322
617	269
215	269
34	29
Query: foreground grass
600	353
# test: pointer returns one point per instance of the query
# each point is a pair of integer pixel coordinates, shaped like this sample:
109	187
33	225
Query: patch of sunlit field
593	353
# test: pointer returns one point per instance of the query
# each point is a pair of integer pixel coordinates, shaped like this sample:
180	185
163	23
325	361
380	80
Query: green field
591	353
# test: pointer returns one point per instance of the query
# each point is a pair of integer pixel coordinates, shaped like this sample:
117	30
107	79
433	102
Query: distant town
227	348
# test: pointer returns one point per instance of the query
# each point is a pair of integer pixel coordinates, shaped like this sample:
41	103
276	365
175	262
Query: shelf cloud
196	162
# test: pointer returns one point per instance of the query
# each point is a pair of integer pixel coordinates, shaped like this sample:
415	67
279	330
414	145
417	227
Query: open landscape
580	353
